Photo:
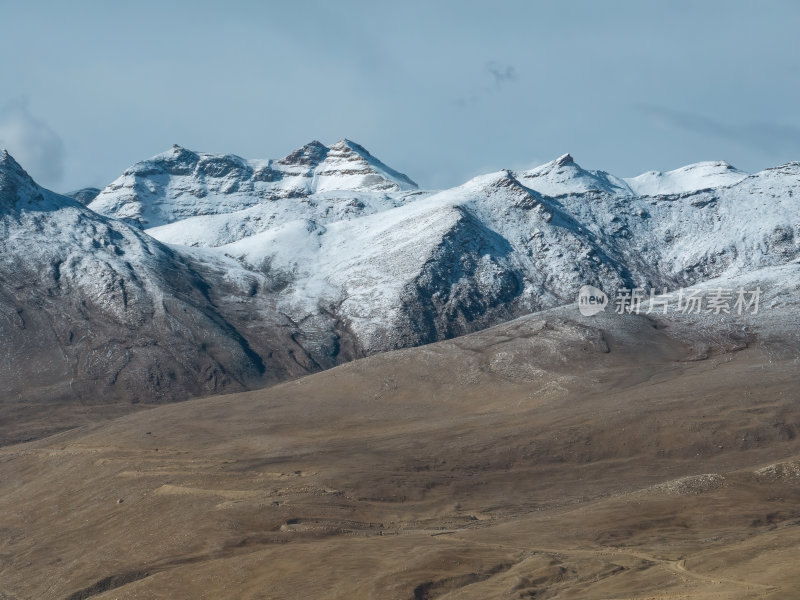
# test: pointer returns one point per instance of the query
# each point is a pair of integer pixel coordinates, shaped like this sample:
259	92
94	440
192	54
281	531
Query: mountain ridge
200	183
268	272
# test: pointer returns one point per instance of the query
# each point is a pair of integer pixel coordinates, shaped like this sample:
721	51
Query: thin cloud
501	74
32	142
770	138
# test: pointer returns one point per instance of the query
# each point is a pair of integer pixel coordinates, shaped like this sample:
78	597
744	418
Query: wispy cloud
768	137
32	142
501	74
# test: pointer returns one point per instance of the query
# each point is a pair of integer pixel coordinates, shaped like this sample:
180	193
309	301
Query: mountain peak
7	160
11	172
564	159
17	187
179	151
176	160
349	160
690	178
564	176
344	145
310	154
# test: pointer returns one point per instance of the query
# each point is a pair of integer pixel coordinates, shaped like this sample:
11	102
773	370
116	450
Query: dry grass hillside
550	457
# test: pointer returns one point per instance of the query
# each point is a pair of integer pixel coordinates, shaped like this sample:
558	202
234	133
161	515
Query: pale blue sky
440	90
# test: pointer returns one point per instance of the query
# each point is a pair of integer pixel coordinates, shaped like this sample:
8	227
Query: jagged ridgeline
197	273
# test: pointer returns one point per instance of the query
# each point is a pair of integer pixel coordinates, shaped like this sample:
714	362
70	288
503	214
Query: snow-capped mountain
699	176
328	254
179	184
564	176
403	268
96	310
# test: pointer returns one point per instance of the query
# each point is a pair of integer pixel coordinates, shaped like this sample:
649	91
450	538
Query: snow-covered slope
691	178
437	267
321	207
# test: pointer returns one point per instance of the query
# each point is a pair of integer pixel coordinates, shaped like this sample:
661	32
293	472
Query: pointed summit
350	165
564	176
7	161
309	155
17	188
12	175
344	145
180	154
564	159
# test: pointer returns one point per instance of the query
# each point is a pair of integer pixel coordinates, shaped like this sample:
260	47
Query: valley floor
544	458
